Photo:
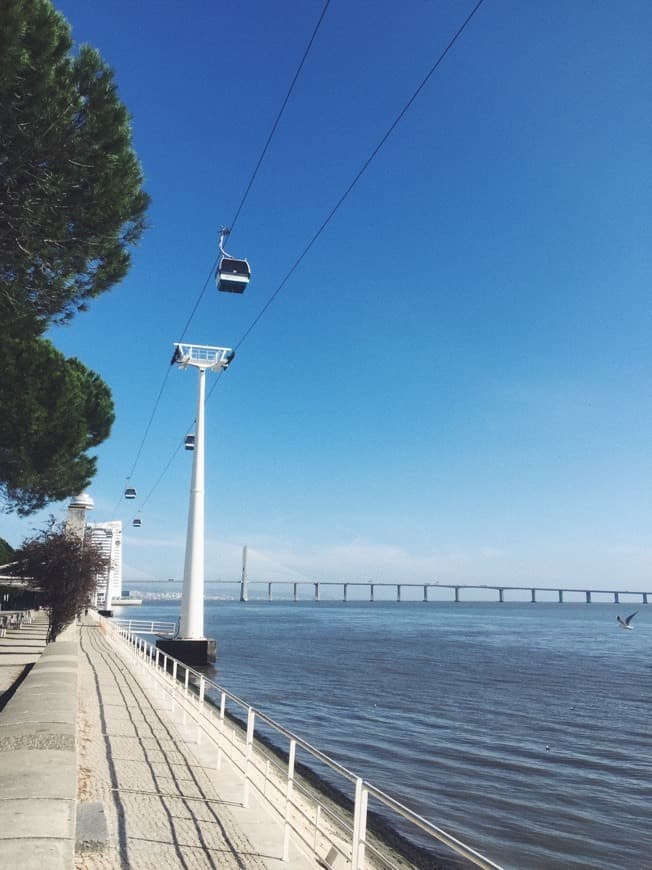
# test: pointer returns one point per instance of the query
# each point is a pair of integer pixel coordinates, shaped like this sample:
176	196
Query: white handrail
355	830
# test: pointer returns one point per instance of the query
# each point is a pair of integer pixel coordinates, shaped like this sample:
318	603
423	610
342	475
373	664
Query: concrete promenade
38	769
20	648
100	769
150	795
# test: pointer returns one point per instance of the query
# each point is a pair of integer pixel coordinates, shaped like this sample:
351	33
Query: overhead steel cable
233	223
278	117
252	178
361	171
346	193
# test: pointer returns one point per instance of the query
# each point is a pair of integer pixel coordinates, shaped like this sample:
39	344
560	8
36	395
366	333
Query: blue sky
455	383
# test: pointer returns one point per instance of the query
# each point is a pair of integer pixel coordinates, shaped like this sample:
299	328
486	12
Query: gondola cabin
137	523
232	275
130	492
189	443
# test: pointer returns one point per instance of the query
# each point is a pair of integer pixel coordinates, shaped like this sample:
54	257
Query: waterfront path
19	649
149	795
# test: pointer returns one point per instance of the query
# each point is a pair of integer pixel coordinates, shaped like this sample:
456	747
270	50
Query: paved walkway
148	797
20	648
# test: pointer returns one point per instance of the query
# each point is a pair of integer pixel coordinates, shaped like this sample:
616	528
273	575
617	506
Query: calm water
522	729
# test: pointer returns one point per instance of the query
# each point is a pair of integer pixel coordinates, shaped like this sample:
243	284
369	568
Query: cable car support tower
191	645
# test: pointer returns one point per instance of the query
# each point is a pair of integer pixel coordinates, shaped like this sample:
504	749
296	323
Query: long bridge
559	594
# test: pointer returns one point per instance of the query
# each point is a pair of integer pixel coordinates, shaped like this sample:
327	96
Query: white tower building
107	537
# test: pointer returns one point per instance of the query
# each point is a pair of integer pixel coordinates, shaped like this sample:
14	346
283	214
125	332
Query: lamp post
191	645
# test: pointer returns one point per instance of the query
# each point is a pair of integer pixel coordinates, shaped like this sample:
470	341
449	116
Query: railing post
186	679
202	684
251	717
359	826
317	821
288	800
174	670
220	734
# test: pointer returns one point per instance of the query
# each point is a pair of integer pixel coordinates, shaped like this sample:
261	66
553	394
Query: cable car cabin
130	492
232	275
137	523
189	443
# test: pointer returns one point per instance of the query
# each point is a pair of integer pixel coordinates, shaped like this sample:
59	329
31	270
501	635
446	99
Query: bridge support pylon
243	582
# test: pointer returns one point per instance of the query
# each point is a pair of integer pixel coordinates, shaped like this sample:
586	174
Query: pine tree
71	197
71	207
53	411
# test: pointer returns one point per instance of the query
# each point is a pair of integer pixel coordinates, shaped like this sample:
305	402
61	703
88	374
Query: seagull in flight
624	623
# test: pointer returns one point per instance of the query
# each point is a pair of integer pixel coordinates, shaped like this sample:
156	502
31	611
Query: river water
522	729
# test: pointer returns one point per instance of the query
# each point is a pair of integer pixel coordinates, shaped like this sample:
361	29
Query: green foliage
53	410
64	567
71	197
7	552
71	207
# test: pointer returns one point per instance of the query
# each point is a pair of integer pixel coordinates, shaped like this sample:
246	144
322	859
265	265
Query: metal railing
10	619
146	626
322	825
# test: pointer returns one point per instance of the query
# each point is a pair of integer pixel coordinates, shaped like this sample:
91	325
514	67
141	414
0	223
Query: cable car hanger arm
224	232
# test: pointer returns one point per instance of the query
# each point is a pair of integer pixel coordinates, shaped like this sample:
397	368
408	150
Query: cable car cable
278	117
337	205
361	171
233	223
258	163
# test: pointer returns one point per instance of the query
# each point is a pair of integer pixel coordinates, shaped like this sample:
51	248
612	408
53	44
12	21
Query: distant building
107	537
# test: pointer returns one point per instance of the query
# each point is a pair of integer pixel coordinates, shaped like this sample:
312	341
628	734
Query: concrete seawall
38	762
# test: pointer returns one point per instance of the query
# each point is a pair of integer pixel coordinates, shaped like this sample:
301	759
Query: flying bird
624	623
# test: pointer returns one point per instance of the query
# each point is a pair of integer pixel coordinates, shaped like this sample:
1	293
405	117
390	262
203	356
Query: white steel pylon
203	358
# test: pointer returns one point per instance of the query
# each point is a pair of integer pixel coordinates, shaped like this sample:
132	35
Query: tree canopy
64	567
54	410
7	552
71	207
71	197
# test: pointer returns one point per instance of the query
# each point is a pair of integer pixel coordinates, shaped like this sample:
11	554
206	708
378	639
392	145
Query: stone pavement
20	648
147	797
38	762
